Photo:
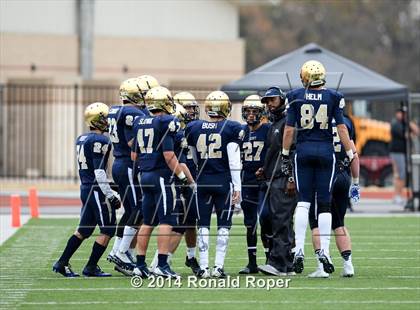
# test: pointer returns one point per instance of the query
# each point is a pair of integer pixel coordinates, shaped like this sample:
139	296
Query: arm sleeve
135	146
103	183
235	165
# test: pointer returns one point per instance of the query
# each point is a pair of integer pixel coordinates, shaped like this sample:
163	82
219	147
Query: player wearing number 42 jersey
99	200
216	144
121	119
311	110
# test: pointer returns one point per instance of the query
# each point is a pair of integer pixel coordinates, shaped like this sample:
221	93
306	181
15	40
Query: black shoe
95	271
249	269
193	264
126	272
298	263
142	271
64	269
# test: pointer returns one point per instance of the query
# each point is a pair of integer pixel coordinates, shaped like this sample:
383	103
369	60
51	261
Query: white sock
203	246
154	262
301	223
190	252
324	225
221	246
132	252
129	234
116	245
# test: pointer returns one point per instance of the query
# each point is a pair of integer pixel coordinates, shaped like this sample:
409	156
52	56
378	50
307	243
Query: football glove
114	201
354	193
286	166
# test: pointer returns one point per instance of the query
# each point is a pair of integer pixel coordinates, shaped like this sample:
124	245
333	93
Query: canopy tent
350	78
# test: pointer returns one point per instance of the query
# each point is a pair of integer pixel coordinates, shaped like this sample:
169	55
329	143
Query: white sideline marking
6	229
303	288
134	302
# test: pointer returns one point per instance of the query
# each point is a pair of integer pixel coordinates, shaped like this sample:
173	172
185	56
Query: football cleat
193	264
154	262
326	261
125	260
204	273
111	257
319	273
218	272
249	269
64	269
95	271
348	269
125	272
165	272
142	271
270	270
298	262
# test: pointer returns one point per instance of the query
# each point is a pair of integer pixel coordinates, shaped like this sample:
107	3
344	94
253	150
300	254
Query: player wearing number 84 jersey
311	110
216	144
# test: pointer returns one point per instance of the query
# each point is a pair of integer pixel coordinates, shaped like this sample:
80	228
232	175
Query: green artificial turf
386	256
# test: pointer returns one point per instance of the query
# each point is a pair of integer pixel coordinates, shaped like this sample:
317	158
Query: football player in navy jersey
311	109
254	148
99	200
216	144
121	119
345	189
186	111
154	152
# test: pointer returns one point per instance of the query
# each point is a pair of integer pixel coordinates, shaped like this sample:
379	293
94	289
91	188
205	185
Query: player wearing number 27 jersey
217	147
311	110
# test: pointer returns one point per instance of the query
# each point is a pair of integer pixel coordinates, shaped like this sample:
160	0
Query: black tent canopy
350	78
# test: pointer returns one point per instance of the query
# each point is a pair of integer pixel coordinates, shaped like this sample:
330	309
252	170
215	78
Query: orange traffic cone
34	202
15	203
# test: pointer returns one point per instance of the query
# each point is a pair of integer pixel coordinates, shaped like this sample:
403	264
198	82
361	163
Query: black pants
282	208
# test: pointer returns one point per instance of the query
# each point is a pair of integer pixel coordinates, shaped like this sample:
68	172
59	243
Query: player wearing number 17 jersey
121	119
311	110
216	144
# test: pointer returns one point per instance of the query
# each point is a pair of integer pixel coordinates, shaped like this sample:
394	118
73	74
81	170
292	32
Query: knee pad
303	204
324	207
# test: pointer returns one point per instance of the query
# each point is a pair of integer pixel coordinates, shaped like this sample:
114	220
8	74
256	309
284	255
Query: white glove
354	193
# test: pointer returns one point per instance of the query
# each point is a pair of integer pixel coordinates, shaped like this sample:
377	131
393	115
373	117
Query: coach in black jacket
281	190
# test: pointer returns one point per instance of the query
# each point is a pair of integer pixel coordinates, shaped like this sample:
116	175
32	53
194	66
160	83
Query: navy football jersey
121	120
312	111
92	150
180	146
254	147
154	135
340	152
210	140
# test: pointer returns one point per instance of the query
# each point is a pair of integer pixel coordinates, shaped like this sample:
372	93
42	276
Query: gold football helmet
96	116
181	114
146	83
187	100
253	104
312	74
130	91
217	104
160	99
